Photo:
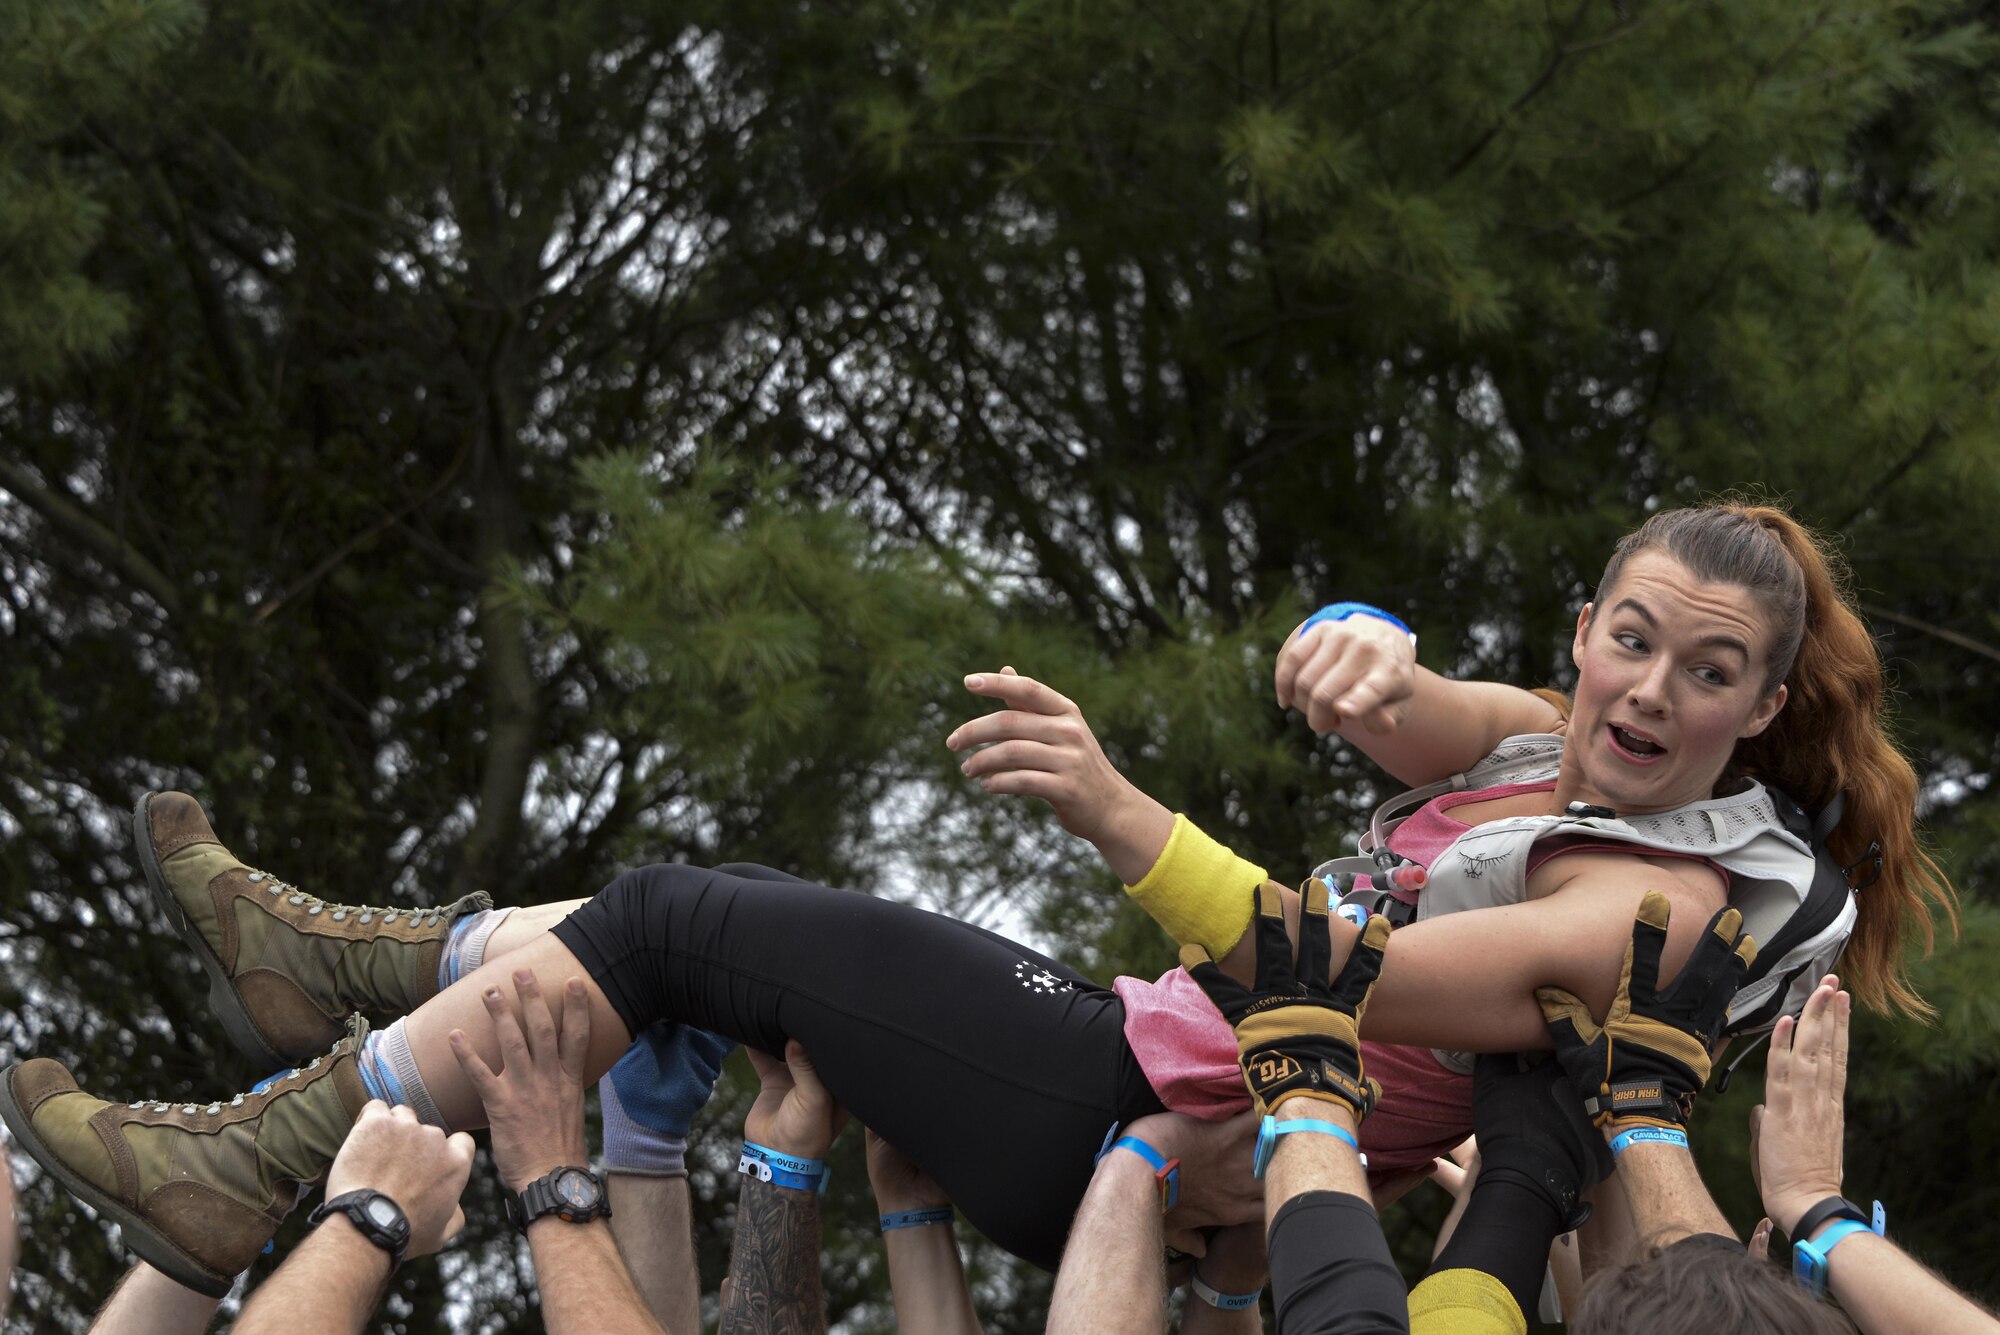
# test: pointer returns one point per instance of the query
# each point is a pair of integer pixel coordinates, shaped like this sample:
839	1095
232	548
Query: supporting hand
1795	1134
1645	1063
534	1105
417	1166
792	1113
1296	1032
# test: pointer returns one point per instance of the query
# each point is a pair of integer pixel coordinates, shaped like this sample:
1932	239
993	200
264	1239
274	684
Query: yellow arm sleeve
1464	1302
1199	891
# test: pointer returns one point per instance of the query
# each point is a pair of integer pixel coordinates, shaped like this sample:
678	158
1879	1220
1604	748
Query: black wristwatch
573	1195
375	1216
1833	1207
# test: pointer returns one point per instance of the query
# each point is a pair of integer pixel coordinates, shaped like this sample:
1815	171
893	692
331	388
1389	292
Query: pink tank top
1188	1051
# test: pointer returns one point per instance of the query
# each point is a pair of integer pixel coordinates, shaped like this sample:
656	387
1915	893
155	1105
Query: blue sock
388	1071
465	948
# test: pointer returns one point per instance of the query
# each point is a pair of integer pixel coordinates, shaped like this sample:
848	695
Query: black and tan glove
1645	1063
1296	1033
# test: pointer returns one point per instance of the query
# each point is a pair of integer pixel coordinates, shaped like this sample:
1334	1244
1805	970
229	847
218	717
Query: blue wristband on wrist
1342	611
939	1214
1227	1302
1647	1135
1267	1137
783	1170
1166	1172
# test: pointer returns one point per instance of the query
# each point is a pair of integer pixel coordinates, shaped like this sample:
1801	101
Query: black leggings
997	1070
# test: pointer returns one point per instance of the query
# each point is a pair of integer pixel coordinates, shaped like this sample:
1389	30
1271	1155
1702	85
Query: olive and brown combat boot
198	1188
285	968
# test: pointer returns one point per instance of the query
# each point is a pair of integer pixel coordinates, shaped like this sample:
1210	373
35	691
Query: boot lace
364	913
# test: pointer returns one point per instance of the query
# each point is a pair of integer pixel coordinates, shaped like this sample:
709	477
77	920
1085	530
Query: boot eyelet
296	899
314	909
340	915
367	918
256	877
189	1109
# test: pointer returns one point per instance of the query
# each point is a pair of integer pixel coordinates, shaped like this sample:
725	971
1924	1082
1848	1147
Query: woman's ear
1582	628
1767	709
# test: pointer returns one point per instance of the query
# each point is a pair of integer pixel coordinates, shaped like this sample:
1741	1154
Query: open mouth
1635	746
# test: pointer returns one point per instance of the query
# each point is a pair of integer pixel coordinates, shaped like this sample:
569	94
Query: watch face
575	1188
383	1212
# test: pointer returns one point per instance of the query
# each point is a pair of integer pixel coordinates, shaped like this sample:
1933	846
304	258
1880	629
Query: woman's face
1670	676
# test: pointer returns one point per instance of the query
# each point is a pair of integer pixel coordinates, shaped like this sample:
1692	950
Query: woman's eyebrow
1634	605
1719	640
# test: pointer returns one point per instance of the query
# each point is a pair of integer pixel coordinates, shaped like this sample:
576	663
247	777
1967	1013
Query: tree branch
108	546
1936	632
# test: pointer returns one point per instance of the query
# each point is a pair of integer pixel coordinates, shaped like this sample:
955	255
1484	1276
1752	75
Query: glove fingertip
1375	936
1746	950
1656	910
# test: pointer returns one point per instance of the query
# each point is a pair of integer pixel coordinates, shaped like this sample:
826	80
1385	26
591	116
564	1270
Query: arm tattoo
774	1264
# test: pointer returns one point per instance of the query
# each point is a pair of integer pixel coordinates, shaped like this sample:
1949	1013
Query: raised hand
1344	674
1040	746
1796	1133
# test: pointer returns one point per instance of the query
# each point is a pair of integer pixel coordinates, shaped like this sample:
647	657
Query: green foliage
482	446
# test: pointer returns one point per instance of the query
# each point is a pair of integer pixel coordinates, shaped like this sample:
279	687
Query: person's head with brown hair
1698	1286
1727	629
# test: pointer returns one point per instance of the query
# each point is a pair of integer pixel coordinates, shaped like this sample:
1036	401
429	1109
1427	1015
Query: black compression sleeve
1506	1231
1330	1269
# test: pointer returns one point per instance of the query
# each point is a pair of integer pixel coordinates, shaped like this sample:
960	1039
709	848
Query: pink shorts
1426	1108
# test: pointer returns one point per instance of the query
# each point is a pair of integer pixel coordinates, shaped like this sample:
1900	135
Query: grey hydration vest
1794	897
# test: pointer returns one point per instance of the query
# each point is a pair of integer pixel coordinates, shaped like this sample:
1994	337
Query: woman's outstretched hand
1040	746
1343	674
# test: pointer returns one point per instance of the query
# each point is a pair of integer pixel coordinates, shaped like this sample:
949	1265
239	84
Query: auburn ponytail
1831	736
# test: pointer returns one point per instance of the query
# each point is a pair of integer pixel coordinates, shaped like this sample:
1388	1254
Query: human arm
1359	677
1537	1154
337	1273
146	1302
1637	1072
1298	1043
1113	1279
652	1224
1234	1269
926	1274
649	1100
1666	1194
774	1285
534	1111
1796	1138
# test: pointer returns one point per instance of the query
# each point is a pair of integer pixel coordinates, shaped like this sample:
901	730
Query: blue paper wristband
1647	1135
1342	611
939	1214
1216	1298
783	1170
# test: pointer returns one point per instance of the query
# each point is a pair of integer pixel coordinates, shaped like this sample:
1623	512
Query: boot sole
141	1237
223	998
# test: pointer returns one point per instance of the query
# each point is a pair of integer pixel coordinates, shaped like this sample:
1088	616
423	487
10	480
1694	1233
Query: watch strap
1833	1207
